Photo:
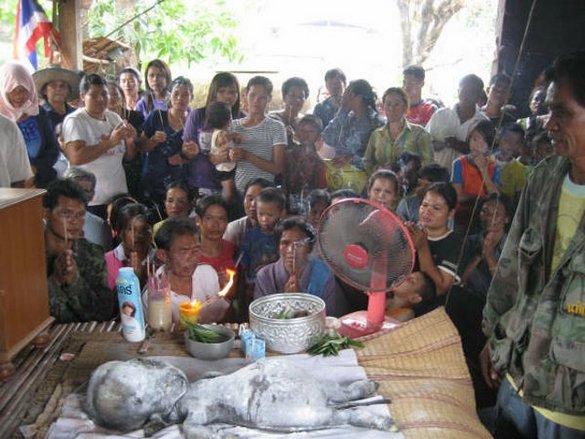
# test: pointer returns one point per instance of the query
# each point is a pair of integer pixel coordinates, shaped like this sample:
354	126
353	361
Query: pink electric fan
369	248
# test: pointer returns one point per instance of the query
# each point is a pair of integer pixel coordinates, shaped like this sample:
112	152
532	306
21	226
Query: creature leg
356	390
362	418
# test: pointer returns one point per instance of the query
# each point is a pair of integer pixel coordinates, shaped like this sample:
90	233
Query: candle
189	311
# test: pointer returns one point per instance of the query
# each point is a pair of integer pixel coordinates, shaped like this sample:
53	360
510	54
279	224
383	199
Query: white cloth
222	167
445	123
12	75
108	169
14	164
327	152
74	423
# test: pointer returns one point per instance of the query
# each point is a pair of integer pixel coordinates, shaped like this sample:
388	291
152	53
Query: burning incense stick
65	234
239	260
162	124
132	231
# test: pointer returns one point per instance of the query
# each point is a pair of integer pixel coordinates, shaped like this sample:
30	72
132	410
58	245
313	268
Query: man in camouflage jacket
78	288
534	317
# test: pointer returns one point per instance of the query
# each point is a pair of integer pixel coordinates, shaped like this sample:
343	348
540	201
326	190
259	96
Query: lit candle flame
231	273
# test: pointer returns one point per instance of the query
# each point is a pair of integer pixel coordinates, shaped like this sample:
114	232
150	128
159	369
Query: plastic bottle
131	313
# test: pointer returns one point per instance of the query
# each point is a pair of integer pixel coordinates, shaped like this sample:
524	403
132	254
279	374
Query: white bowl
211	351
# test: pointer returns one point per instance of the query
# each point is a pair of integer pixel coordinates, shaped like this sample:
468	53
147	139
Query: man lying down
271	394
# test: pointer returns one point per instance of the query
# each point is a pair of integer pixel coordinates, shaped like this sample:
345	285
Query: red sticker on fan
356	256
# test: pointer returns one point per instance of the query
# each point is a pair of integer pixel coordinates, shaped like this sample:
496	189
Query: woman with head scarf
18	102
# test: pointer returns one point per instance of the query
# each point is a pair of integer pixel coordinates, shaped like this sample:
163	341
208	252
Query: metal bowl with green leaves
289	322
209	342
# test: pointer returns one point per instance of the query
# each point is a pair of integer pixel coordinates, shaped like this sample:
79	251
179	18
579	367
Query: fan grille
378	231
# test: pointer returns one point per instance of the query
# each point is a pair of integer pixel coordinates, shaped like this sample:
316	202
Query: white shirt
14	163
445	123
108	169
205	285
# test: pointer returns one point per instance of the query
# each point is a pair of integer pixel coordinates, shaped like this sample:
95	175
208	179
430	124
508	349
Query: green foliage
8	16
174	30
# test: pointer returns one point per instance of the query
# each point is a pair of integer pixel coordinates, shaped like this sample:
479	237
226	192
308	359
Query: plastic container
131	313
160	312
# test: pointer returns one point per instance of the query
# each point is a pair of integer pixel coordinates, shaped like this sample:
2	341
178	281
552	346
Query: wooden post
70	28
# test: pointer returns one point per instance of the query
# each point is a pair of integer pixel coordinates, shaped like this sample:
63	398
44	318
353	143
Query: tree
422	22
175	30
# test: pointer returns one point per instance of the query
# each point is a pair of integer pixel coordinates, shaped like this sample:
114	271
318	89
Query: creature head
124	395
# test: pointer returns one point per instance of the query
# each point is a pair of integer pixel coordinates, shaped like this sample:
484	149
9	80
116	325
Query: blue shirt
258	249
349	135
157	173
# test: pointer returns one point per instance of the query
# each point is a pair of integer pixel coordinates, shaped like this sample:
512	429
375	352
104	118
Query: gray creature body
269	394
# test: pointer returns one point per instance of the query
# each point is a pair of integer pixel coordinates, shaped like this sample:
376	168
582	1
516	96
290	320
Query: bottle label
131	312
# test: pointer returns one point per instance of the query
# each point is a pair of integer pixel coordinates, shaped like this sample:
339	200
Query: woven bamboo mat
419	366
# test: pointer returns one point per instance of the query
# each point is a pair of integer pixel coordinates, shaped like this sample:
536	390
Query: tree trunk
426	19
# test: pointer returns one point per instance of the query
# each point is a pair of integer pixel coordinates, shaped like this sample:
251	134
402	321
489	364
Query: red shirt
224	260
420	113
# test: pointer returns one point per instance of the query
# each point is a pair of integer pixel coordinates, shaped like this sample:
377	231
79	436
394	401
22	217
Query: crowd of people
136	175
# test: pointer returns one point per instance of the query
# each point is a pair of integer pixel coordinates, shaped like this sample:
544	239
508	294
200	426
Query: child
317	201
259	246
404	301
384	188
135	234
542	147
178	246
513	173
304	170
219	119
475	174
408	207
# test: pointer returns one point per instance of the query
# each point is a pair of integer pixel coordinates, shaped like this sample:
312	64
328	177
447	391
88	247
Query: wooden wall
556	27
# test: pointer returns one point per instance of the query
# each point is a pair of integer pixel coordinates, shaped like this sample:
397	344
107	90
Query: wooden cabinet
24	303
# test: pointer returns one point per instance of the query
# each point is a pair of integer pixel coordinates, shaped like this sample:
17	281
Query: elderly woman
18	102
348	133
295	271
387	143
56	87
295	92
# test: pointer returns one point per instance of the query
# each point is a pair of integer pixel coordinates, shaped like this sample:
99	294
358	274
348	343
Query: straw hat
56	73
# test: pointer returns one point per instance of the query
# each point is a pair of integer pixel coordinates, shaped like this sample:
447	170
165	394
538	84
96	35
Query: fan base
356	325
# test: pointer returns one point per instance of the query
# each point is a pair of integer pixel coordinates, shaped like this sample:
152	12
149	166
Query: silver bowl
288	336
211	351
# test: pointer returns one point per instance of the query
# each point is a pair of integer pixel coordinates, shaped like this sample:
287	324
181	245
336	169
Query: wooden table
419	366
